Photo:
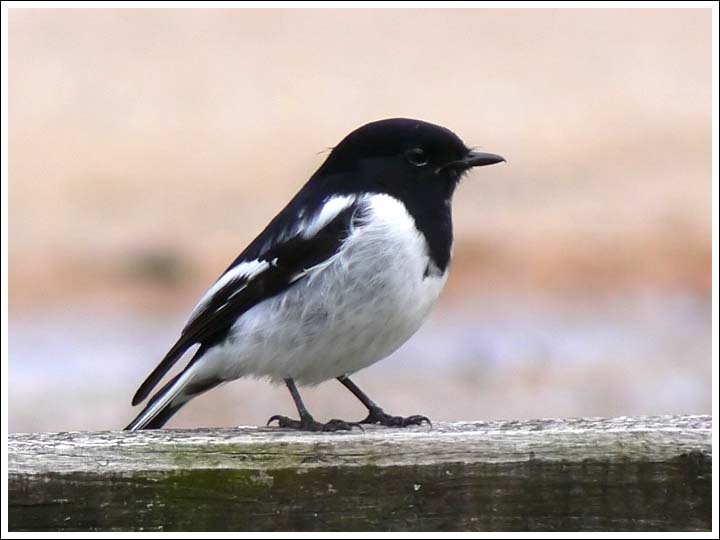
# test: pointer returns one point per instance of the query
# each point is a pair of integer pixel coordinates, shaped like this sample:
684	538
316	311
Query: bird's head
404	155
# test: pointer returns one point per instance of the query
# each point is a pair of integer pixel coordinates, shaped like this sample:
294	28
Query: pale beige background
147	147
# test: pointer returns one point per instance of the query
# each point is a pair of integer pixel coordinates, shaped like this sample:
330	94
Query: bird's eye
417	157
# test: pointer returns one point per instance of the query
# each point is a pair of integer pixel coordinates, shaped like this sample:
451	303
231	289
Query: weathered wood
651	473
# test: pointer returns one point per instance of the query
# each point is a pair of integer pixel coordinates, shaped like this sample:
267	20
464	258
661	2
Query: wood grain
641	473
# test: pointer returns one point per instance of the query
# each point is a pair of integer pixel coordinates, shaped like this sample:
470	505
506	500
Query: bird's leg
307	422
375	413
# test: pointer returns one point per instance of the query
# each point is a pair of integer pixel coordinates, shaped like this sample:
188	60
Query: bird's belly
357	309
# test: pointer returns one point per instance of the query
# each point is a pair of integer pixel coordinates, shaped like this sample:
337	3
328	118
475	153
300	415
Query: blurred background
147	147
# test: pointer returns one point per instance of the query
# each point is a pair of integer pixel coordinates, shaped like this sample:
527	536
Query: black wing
287	260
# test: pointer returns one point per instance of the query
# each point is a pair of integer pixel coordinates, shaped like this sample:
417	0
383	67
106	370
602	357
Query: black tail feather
160	370
191	390
164	415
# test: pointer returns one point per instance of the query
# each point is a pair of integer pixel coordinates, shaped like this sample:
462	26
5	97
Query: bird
339	279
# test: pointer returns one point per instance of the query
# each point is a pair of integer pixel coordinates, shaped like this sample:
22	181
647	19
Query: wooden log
630	474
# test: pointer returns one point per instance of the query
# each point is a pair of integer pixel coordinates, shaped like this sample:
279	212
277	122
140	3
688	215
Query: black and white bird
338	280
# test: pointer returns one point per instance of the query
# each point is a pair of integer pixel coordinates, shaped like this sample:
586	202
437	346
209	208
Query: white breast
346	314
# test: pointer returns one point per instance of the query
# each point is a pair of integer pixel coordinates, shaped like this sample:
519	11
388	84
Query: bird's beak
478	159
472	159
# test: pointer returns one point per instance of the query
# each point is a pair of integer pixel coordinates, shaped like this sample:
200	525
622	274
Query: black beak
472	159
478	159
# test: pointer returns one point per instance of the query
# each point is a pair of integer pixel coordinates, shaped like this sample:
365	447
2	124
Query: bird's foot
308	423
378	416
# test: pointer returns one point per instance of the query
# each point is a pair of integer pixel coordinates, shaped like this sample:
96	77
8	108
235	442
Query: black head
404	157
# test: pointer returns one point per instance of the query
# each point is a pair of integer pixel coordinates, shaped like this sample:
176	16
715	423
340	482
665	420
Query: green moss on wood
532	495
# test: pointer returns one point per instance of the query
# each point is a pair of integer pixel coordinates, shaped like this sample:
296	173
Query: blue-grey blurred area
147	147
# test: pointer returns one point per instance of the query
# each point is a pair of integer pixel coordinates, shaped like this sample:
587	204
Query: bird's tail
169	399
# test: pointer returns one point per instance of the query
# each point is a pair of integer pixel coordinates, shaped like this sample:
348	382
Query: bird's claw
310	424
378	416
